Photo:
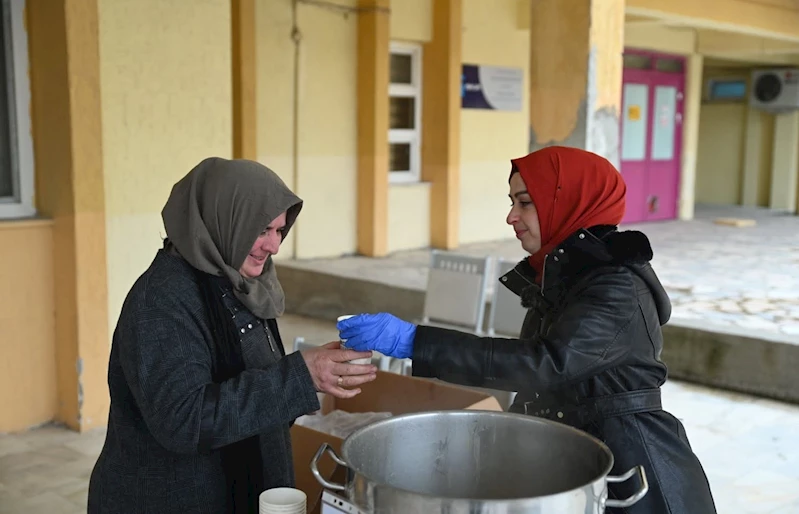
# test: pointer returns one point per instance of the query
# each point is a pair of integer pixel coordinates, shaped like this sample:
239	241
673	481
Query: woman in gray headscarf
202	393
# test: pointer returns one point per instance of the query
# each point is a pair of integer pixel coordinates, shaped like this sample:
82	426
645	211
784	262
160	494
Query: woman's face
267	244
523	216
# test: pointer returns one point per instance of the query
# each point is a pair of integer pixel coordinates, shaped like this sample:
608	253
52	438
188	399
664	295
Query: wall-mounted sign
634	113
491	87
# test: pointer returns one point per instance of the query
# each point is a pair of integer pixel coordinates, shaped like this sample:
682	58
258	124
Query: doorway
653	90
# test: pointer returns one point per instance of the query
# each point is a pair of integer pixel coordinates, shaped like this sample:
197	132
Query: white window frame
20	205
412	136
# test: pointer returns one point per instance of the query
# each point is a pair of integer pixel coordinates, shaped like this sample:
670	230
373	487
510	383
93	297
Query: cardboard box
390	392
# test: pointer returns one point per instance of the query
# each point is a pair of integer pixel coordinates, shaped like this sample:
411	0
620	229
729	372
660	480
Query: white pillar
690	136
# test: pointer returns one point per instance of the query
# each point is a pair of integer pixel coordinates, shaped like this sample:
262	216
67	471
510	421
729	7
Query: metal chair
507	314
456	294
456	291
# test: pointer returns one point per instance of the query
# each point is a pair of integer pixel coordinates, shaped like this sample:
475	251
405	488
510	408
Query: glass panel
665	121
636	103
401	69
637	62
6	171
399	155
727	89
669	65
402	112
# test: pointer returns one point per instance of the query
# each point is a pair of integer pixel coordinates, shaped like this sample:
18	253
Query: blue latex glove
382	332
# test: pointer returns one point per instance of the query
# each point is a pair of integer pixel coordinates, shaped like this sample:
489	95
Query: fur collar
628	247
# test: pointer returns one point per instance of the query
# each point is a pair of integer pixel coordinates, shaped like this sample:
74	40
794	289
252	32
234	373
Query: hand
382	332
332	374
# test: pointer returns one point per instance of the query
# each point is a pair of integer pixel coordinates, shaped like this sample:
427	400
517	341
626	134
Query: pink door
651	136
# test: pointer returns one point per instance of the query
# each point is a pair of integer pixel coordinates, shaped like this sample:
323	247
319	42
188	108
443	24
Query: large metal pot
476	462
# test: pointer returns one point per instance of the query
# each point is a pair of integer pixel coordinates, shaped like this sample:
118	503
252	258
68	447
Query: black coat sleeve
588	337
167	365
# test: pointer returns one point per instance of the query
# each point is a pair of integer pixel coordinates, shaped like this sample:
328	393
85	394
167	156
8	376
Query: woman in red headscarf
589	352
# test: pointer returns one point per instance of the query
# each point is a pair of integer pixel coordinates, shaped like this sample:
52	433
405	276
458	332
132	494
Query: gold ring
340	381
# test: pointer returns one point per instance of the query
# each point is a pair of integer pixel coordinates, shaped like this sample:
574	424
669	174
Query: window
727	89
636	61
16	146
405	94
667	65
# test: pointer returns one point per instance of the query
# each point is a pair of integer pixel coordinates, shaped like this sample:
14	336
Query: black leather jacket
588	356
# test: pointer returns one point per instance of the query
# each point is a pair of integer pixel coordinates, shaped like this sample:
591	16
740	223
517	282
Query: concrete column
244	71
441	119
373	124
67	138
751	173
576	51
785	157
690	136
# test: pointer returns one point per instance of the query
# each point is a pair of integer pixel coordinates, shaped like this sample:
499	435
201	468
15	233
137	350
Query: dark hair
513	169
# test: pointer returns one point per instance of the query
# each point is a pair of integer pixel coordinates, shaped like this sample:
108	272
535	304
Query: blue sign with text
491	87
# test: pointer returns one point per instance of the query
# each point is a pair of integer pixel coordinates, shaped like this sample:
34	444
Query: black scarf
241	461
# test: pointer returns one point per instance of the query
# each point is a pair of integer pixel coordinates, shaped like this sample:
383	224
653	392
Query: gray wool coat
168	420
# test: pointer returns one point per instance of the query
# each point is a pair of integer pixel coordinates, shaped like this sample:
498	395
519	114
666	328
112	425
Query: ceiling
723	47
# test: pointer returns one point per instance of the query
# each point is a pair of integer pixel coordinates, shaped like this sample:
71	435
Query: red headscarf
572	189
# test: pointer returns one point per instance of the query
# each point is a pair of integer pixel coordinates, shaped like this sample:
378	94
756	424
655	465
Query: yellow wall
322	124
720	155
325	125
722	138
411	20
723	145
408	216
489	139
409	204
166	105
28	391
765	158
659	38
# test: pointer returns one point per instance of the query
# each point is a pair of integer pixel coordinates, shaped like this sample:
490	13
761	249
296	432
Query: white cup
365	360
282	500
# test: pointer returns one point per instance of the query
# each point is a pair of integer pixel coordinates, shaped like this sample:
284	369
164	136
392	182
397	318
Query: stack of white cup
282	500
365	360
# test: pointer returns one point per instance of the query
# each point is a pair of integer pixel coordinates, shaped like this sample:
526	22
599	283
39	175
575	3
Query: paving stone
754	307
729	306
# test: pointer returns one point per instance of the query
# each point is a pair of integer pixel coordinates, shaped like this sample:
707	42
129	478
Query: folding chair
455	296
456	291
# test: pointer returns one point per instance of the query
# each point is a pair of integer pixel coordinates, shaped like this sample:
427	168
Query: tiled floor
749	447
46	470
720	275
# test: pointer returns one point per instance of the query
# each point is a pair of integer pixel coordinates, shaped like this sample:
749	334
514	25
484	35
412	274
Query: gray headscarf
214	215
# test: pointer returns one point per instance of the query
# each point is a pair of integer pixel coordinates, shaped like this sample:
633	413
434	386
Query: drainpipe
296	38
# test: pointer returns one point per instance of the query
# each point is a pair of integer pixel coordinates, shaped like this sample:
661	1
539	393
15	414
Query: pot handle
315	466
632	500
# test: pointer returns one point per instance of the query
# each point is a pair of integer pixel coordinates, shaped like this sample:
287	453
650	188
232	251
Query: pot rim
461	412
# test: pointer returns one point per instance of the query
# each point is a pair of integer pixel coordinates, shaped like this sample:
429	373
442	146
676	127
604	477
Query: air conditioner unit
775	90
